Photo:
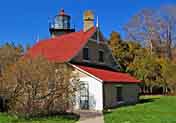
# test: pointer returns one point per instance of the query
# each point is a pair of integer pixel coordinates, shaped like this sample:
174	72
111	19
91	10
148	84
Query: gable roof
109	76
61	48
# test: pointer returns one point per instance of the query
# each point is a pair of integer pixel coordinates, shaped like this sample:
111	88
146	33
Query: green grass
152	109
5	118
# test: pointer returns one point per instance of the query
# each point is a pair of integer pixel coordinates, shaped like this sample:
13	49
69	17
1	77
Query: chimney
88	20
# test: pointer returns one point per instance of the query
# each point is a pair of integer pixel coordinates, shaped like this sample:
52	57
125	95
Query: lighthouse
60	24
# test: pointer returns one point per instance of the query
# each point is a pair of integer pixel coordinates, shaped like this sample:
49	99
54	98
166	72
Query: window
84	95
86	53
101	56
119	94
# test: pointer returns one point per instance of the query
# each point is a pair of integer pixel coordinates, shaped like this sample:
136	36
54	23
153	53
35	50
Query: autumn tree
28	46
20	48
139	62
168	75
118	48
9	54
123	51
155	72
39	87
147	68
148	60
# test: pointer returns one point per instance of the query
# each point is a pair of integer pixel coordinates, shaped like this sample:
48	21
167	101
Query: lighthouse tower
60	24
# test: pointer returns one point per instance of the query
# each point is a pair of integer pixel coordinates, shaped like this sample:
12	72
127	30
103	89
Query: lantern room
60	24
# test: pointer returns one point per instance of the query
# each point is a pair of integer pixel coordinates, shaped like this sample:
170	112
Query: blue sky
22	20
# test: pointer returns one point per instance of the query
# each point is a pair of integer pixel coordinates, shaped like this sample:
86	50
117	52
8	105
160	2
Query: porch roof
109	76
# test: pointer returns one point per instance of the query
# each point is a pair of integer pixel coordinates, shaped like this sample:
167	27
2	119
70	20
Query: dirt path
90	117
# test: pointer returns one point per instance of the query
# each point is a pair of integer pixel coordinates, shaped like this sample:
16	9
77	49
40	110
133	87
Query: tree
147	69
154	71
8	55
38	87
168	75
118	48
20	48
28	46
115	39
154	28
123	51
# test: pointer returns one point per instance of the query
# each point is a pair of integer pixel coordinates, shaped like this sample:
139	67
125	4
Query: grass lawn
151	109
4	118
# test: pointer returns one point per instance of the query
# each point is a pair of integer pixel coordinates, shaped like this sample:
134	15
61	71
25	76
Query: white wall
95	92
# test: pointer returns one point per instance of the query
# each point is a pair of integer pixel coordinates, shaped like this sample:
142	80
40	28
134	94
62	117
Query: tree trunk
151	89
166	90
163	90
145	89
169	41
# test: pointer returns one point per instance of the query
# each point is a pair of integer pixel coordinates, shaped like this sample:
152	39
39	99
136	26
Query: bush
38	87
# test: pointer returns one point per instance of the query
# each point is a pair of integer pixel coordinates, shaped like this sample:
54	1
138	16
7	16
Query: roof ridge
84	42
61	48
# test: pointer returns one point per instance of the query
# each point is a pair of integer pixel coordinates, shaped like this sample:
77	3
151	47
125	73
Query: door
84	96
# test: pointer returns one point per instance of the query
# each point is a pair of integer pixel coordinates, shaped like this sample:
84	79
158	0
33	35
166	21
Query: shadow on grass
141	101
42	118
69	116
147	100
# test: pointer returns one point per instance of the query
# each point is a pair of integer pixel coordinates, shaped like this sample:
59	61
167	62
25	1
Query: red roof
61	48
110	76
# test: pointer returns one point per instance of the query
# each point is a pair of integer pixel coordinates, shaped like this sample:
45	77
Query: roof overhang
104	81
81	70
